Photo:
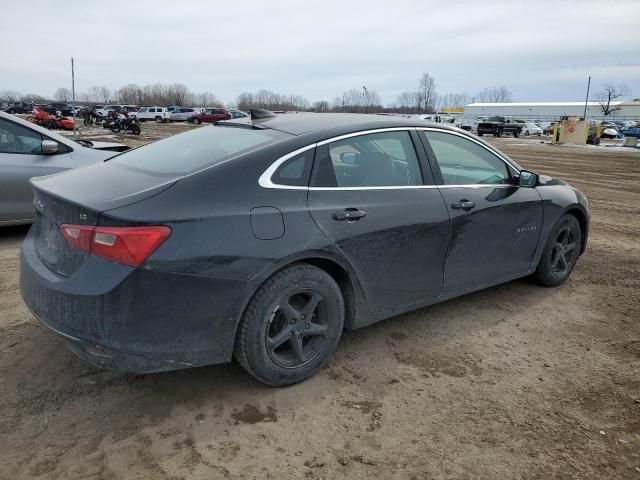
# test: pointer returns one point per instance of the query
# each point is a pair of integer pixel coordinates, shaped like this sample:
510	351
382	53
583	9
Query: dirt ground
516	381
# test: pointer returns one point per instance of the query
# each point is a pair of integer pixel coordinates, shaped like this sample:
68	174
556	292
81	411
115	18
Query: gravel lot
516	381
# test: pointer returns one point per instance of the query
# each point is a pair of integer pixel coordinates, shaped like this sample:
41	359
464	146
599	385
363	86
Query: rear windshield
198	148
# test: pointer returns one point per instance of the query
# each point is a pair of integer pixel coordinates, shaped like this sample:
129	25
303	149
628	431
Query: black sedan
265	240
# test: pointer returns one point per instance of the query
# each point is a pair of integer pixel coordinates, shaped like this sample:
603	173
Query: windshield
198	148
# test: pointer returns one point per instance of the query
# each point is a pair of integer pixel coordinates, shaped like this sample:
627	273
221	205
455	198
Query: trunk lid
78	197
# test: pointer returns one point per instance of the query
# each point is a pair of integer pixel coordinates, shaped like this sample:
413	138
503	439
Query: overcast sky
540	50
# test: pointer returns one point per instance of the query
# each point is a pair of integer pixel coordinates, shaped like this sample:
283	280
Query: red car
210	115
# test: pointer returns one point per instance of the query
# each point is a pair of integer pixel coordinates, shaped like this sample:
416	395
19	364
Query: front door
495	224
21	159
368	197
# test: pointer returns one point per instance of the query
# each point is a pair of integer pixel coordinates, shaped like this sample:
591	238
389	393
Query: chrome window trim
487	148
364	132
265	180
414	187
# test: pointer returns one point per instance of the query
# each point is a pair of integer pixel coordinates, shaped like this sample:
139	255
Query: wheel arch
582	218
339	270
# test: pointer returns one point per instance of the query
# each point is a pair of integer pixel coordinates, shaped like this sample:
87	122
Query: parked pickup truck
498	126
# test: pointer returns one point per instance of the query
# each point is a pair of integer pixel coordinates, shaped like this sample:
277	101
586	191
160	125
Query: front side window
15	138
464	162
385	159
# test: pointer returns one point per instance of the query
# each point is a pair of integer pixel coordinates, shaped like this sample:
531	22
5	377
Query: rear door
495	224
376	203
21	158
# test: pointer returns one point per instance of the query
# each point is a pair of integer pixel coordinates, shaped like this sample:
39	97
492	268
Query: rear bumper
135	320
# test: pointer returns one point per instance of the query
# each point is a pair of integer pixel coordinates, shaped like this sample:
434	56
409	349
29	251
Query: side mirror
348	157
527	179
49	147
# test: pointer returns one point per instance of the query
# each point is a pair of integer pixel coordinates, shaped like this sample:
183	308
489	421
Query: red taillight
126	245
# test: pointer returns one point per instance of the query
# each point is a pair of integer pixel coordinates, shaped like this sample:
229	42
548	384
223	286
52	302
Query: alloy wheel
297	329
563	251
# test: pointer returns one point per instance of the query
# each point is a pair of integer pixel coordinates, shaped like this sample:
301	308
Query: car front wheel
291	326
561	252
158	119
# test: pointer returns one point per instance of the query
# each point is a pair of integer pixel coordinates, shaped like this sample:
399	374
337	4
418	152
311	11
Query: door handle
464	204
350	215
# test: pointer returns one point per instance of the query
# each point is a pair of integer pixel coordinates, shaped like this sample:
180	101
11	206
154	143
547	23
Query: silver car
27	150
182	114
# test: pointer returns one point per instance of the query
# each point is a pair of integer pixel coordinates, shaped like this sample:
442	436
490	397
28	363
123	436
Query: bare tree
62	95
321	106
102	94
358	100
427	91
32	97
9	96
453	100
609	93
494	95
271	101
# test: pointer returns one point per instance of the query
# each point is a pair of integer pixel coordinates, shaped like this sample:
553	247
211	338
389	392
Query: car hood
548	181
110	146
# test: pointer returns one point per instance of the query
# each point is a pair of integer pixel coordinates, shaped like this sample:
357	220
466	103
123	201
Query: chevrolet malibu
264	241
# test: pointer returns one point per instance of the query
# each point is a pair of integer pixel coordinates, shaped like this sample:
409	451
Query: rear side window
195	149
295	171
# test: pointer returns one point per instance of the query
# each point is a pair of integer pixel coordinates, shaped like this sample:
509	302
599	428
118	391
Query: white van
158	114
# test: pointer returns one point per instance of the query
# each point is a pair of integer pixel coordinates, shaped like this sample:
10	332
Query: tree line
422	99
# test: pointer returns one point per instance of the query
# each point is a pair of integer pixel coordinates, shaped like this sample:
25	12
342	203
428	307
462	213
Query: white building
553	110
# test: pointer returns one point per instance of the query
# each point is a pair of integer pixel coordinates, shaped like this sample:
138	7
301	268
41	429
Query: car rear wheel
158	119
196	121
561	252
291	326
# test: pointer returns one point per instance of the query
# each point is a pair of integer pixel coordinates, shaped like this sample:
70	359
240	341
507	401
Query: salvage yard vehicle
27	150
182	114
530	128
53	108
157	114
498	126
17	107
264	241
210	115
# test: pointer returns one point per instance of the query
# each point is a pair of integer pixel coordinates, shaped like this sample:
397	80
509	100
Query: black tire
115	127
196	121
560	253
158	119
516	134
11	111
480	134
526	133
135	129
278	341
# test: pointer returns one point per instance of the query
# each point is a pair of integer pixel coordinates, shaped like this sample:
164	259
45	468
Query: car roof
304	122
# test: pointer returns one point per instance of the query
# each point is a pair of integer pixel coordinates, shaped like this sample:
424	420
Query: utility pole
365	95
73	98
586	101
